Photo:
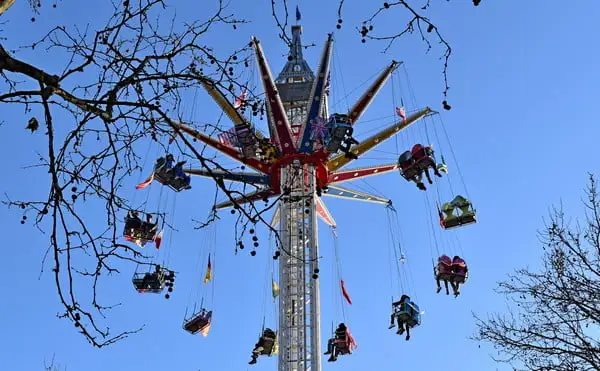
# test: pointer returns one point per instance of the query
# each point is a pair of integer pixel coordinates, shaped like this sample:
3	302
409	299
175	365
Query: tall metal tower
299	303
305	166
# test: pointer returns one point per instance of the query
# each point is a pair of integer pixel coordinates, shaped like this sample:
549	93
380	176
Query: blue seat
409	313
166	174
339	132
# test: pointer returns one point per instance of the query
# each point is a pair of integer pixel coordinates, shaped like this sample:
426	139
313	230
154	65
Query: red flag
400	112
240	100
146	182
158	239
345	293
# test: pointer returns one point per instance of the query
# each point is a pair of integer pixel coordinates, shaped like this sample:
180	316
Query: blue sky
523	82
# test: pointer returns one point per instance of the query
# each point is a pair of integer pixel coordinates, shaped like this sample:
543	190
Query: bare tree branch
555	313
122	85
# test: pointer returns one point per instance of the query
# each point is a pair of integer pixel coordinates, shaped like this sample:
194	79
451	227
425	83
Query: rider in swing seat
340	344
459	273
133	221
171	173
443	272
447	216
407	315
137	230
409	170
423	156
264	346
466	208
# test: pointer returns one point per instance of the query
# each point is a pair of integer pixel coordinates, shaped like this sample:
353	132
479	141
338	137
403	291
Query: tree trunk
5	4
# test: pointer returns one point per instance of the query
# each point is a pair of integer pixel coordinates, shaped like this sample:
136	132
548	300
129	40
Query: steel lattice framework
299	170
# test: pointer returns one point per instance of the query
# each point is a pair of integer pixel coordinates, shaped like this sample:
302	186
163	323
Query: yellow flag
208	276
275	289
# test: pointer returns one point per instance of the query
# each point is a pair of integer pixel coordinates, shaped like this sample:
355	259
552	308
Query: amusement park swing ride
302	159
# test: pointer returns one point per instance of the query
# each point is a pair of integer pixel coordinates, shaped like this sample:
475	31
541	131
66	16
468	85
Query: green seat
465	216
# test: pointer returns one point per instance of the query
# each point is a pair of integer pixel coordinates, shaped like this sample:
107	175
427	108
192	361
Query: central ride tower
299	300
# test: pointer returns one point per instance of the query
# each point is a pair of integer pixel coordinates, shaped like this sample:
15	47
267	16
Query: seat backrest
443	268
445	259
405	157
160	162
458	261
341	333
268	344
414	307
405	307
448	209
459	266
418	151
460	201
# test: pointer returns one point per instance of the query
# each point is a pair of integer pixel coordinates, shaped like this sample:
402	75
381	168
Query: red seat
444	268
343	345
346	344
423	156
418	152
459	270
459	266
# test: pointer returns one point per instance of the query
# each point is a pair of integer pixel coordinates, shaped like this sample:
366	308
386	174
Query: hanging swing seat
198	321
172	177
443	272
412	163
343	345
267	343
137	230
408	312
408	167
339	131
423	156
459	271
459	277
268	152
446	274
339	126
466	214
247	140
149	282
